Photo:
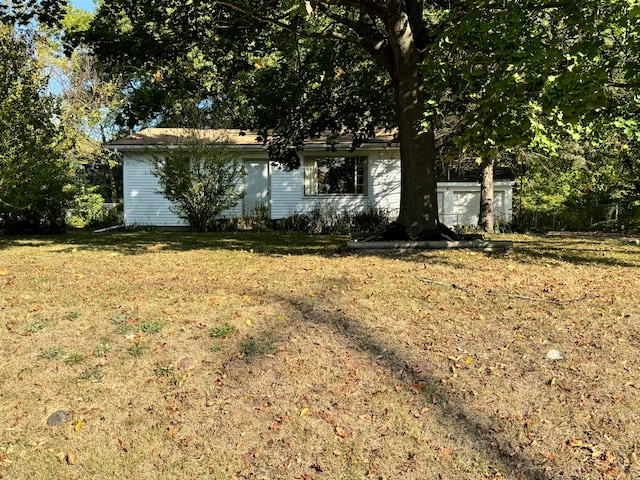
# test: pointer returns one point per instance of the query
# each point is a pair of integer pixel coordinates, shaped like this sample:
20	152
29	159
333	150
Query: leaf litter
329	366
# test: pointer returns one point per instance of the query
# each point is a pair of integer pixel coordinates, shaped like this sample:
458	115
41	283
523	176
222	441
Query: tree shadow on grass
573	250
140	243
579	251
461	421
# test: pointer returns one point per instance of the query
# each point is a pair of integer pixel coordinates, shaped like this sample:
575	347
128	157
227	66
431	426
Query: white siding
458	202
142	205
287	189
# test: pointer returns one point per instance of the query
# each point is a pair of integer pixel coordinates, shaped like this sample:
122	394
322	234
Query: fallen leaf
444	452
275	425
328	418
4	273
417	387
121	446
173	430
78	425
71	458
304	411
341	432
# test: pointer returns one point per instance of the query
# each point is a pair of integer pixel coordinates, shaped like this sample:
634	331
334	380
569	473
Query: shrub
201	178
86	206
325	219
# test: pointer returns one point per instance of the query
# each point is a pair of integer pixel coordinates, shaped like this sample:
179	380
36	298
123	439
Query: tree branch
372	40
631	85
367	36
336	36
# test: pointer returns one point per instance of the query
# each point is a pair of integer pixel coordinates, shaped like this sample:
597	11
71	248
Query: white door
256	187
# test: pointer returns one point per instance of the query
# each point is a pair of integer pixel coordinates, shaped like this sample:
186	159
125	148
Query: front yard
281	356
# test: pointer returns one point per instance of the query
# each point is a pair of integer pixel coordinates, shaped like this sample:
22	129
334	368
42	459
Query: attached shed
368	177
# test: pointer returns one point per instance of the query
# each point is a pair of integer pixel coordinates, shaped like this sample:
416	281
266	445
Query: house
369	176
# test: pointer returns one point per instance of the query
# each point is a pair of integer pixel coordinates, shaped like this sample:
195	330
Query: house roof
173	136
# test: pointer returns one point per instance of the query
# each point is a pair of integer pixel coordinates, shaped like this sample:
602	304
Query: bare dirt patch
246	356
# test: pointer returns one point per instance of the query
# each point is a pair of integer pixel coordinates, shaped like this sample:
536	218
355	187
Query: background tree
200	176
534	76
89	103
34	174
22	12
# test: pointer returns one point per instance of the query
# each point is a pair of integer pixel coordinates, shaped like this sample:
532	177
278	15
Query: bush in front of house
324	219
200	177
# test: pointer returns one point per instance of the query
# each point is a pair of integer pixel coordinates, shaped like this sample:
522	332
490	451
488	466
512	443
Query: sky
87	5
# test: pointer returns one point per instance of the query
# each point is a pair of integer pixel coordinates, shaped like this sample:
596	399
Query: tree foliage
200	177
23	12
89	101
34	175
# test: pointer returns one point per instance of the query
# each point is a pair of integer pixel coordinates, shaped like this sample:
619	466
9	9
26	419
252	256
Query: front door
256	187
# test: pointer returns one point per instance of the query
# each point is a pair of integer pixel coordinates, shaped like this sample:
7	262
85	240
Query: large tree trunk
418	197
485	221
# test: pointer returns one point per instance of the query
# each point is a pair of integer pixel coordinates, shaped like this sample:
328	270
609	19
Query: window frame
312	185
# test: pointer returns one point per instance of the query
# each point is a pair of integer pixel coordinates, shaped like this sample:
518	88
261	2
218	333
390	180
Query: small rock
555	354
186	364
57	418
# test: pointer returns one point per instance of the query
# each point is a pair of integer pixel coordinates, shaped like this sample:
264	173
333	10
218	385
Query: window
335	175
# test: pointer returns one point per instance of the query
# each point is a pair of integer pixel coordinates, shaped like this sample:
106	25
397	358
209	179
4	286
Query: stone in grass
555	354
186	364
56	418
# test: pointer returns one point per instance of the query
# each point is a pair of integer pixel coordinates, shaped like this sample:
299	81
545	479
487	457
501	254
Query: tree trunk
486	199
418	195
112	177
112	183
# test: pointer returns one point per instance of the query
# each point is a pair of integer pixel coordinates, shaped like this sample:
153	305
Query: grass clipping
257	356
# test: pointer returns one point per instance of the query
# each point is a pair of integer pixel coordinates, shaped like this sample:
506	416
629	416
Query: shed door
257	186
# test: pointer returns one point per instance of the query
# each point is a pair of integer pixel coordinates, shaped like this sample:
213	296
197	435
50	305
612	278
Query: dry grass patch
274	356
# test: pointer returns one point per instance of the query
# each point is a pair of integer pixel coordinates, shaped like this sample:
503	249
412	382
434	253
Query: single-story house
369	176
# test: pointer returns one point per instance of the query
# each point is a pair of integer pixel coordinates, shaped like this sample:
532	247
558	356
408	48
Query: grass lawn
266	356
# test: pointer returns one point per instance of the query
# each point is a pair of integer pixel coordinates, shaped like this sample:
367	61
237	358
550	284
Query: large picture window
335	175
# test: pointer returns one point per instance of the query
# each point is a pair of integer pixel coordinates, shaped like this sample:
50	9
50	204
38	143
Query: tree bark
486	218
418	195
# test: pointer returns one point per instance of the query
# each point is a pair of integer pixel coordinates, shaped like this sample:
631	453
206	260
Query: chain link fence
596	217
